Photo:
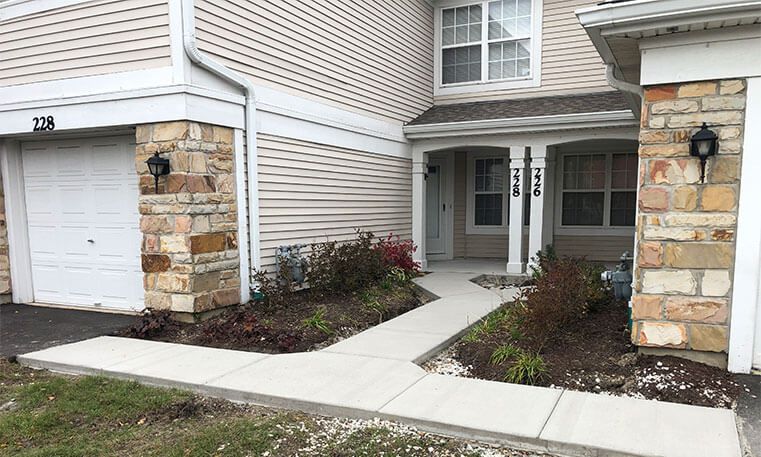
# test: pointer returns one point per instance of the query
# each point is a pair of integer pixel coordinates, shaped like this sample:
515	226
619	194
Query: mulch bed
595	354
281	329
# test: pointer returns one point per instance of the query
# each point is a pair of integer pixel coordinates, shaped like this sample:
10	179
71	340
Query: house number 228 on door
43	123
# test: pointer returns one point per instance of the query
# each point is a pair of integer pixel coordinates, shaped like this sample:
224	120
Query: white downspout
610	75
203	61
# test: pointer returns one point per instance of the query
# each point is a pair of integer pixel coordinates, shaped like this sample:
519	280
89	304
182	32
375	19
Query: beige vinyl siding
374	58
597	248
310	193
570	62
85	39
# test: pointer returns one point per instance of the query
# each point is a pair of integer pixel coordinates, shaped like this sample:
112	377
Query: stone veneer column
190	246
686	230
5	264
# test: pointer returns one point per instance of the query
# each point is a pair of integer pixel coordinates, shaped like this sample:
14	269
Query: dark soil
258	327
595	354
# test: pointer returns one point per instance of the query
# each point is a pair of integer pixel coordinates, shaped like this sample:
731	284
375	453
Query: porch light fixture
703	146
157	166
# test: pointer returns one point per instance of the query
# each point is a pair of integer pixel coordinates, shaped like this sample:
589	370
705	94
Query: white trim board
733	53
241	196
144	107
52	92
15	214
550	138
17	8
746	292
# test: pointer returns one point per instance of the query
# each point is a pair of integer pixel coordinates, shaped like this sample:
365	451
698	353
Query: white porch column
419	171
541	189
516	183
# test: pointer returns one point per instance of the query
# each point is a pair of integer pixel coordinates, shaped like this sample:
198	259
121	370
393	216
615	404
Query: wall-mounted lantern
157	166
703	146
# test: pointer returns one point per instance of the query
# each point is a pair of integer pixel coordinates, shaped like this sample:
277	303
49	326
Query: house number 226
537	182
516	183
43	123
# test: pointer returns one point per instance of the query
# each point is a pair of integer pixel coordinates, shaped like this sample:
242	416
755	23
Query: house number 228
516	183
43	123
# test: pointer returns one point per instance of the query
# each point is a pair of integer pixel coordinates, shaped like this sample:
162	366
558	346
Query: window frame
606	228
532	80
470	207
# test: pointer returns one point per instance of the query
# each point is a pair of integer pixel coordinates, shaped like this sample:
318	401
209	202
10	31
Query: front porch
486	205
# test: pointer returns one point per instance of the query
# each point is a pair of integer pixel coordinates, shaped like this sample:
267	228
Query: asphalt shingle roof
526	107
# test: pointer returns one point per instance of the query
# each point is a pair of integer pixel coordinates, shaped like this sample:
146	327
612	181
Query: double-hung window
599	190
489	41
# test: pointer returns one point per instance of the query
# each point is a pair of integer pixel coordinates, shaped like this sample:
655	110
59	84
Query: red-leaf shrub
395	252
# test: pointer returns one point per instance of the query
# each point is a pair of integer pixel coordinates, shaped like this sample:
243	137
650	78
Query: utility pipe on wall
205	62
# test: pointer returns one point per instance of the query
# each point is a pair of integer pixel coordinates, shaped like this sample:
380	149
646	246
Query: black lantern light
157	166
703	146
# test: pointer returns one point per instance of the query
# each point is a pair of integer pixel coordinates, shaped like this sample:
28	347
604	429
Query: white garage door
82	209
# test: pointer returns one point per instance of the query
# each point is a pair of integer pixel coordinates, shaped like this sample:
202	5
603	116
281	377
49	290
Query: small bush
151	323
528	369
342	268
318	322
504	353
488	325
563	293
396	256
543	261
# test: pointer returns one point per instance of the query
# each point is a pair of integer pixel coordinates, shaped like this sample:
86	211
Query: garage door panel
42	242
37	199
69	160
80	190
73	242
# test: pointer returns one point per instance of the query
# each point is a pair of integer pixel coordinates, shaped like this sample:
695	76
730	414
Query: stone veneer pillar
190	246
5	264
686	230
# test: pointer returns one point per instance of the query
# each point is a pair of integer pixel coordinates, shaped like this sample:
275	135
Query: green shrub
488	325
342	268
528	368
317	321
503	353
543	261
562	293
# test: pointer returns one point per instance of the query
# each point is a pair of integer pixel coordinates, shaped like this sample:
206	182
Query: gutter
623	86
203	61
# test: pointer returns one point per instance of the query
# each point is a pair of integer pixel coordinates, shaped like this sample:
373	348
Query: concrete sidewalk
372	375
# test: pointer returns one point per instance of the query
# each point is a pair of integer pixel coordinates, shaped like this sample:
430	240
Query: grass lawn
44	414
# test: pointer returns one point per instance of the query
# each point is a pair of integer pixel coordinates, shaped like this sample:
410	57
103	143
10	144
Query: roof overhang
615	28
607	119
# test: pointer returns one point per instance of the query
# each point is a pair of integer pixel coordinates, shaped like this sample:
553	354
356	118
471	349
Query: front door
436	208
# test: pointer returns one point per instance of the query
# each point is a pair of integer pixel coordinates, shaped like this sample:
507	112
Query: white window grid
484	42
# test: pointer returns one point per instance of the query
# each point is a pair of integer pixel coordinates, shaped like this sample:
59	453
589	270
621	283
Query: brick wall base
686	229
190	230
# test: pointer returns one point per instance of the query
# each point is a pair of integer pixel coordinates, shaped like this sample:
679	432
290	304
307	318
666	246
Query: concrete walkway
372	375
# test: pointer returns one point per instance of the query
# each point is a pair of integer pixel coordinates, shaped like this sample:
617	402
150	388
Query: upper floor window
486	43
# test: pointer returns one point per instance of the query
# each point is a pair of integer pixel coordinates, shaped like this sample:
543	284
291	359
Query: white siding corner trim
743	329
